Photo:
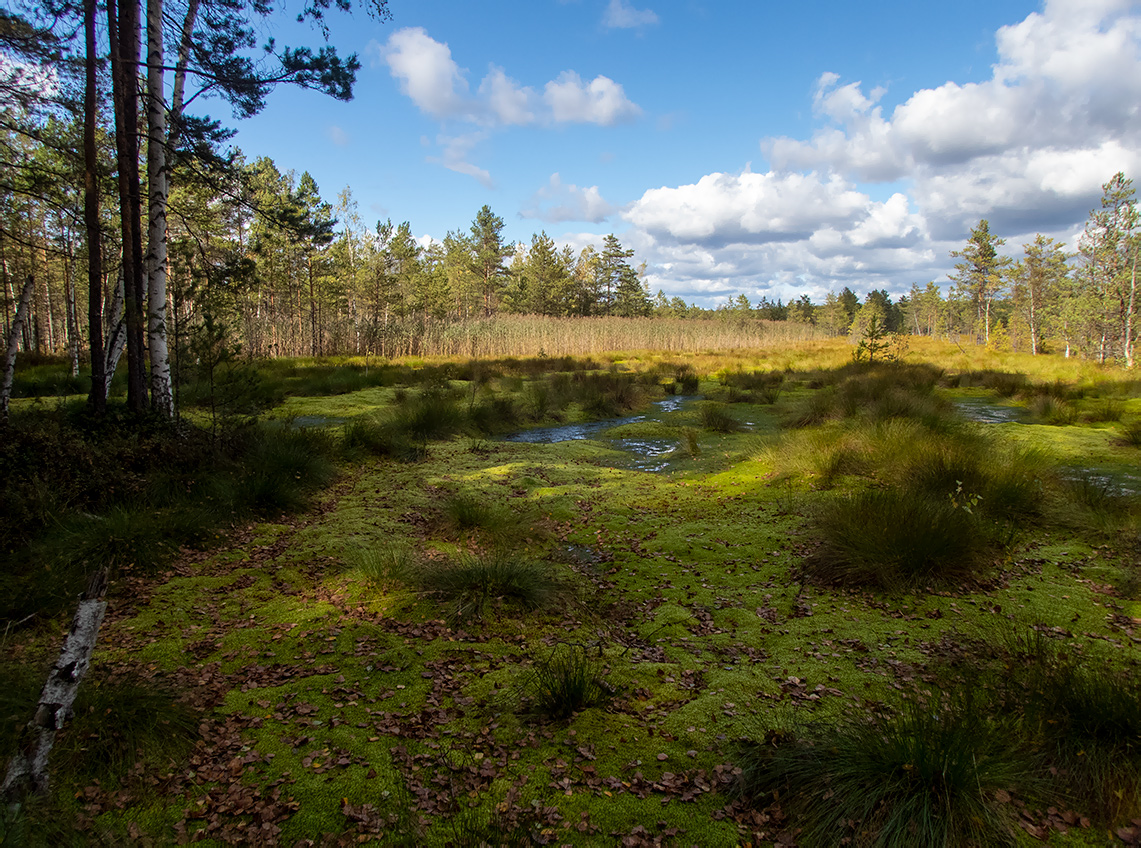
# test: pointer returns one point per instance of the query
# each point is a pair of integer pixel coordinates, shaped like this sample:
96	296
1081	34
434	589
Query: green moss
695	609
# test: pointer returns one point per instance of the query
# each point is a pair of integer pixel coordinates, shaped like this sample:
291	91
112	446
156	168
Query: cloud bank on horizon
1028	148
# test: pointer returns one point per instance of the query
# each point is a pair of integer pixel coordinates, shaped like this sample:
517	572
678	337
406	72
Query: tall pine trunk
98	397
123	28
72	323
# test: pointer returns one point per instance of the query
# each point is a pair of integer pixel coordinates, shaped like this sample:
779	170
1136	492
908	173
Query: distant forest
288	273
129	226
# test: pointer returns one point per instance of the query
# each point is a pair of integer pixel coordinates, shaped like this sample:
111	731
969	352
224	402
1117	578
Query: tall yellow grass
534	335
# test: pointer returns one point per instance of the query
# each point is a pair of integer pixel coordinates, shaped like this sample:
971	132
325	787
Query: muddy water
986	411
647	454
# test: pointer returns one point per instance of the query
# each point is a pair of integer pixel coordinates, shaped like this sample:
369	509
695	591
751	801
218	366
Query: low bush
928	775
1130	433
717	419
470	585
1052	410
567	681
895	540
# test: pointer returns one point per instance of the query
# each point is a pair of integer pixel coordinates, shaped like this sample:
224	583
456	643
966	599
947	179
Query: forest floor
336	705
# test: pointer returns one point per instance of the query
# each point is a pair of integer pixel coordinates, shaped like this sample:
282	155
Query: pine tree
490	254
1109	248
611	271
1038	284
979	276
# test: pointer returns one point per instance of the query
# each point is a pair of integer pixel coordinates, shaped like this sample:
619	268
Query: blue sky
765	148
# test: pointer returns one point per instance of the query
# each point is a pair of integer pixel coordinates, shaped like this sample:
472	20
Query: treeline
287	273
1082	302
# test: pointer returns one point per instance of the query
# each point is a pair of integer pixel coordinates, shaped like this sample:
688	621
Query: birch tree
1109	248
1037	286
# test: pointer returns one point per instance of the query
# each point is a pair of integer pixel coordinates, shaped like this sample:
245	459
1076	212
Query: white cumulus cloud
426	72
601	101
1027	148
431	78
1064	91
622	15
558	201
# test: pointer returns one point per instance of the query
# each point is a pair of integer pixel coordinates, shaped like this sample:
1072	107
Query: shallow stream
648	454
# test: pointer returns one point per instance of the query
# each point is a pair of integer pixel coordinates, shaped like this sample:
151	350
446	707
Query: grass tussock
930	774
566	682
893	540
468	513
1084	716
716	418
874	392
1129	433
1050	409
1091	501
469	586
119	721
753	386
1027	717
473	585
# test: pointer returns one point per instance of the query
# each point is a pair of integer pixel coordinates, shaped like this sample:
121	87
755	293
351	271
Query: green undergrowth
493	642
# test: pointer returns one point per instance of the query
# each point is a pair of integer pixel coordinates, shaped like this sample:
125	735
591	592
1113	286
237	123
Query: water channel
649	454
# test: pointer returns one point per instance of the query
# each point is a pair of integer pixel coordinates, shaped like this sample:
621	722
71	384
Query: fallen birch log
29	766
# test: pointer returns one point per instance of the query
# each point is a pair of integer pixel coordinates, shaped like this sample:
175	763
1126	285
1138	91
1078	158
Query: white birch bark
30	763
72	323
14	333
116	333
158	184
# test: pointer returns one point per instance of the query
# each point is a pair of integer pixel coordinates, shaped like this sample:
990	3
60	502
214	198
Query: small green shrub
716	418
894	539
567	682
385	566
1052	410
472	584
1130	433
927	775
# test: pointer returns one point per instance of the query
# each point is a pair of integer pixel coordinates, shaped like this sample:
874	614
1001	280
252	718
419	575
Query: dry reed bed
531	335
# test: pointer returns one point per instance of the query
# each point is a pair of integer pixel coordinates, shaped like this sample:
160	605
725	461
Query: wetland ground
479	636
